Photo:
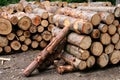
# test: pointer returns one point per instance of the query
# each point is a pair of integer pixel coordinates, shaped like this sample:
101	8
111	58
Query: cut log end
112	29
103	28
5	26
14	20
15	45
109	48
96	48
7	49
82	65
90	61
105	39
24	47
95	19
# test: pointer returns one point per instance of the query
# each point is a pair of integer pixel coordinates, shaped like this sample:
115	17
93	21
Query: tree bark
81	41
78	52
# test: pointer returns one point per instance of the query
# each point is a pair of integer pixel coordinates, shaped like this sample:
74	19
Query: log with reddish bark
95	34
77	25
6	26
78	52
77	63
109	48
103	60
96	48
115	57
90	16
81	41
114	10
46	51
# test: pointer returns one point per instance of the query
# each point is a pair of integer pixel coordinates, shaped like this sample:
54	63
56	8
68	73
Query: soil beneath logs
12	70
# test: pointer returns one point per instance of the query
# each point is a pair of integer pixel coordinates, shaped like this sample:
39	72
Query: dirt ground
12	70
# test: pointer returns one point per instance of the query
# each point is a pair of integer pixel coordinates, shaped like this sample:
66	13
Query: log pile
73	36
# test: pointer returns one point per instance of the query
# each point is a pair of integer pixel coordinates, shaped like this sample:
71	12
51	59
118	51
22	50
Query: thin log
115	38
33	29
1	50
90	61
34	44
44	23
3	41
96	48
11	36
37	37
7	49
116	22
117	45
14	20
81	41
50	27
15	45
19	7
103	60
28	9
22	38
78	52
40	29
95	34
27	41
105	39
46	35
24	47
118	29
43	44
109	48
26	34
112	29
103	27
19	32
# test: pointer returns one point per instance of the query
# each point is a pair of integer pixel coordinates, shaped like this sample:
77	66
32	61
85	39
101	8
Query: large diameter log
77	52
103	60
112	29
79	26
24	23
114	10
81	41
49	49
90	61
96	48
90	16
106	17
115	57
109	48
3	41
115	38
5	26
105	39
103	27
77	63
